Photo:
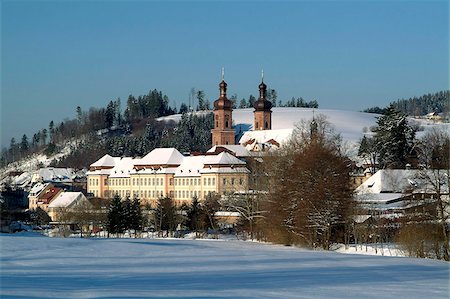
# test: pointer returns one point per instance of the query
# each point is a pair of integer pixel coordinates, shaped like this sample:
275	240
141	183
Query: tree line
438	102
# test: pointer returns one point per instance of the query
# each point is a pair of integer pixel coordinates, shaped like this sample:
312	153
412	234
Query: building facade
166	172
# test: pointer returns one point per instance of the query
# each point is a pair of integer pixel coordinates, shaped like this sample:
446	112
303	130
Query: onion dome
223	102
262	104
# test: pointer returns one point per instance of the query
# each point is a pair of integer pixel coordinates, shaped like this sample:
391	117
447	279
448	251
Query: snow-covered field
33	266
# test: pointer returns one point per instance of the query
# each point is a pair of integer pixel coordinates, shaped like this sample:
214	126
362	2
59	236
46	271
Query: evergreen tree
127	214
251	100
51	130
136	215
115	223
368	151
201	100
393	139
183	108
110	114
165	215
243	103
196	216
24	144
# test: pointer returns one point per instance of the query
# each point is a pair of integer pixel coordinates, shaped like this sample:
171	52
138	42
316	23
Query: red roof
47	196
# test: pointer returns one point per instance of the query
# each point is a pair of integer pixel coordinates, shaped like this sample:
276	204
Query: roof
398	181
162	156
223	158
49	194
123	167
67	199
51	174
38	188
251	138
238	149
105	161
191	166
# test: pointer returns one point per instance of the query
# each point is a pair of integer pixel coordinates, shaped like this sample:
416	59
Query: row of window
94	182
156	194
160	182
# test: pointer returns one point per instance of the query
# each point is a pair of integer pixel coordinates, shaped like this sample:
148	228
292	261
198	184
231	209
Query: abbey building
166	172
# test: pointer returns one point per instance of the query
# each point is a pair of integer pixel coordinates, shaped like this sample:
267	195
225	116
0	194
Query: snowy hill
351	125
34	266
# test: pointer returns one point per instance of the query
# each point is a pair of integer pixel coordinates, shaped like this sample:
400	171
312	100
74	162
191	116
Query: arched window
257	125
226	124
267	125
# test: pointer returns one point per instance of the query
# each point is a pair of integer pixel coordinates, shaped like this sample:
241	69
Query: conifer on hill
394	139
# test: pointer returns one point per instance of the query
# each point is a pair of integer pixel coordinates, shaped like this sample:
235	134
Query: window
153	182
184	182
204	181
184	194
145	193
257	125
232	181
162	182
226	124
153	193
134	181
190	182
214	181
209	181
267	125
171	182
224	181
140	182
241	181
171	194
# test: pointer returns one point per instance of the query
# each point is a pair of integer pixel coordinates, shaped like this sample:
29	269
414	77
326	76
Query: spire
262	88
223	85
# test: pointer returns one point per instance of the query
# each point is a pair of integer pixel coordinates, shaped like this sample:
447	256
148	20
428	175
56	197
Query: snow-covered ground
33	266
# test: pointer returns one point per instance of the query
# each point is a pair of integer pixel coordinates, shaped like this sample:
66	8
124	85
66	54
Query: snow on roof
396	181
38	188
223	158
191	166
50	174
238	149
105	161
264	136
378	197
22	179
67	199
123	167
162	156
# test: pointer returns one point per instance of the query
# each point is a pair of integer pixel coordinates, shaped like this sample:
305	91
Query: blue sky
56	55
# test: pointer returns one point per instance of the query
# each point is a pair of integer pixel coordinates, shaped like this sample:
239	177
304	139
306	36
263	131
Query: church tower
223	132
262	113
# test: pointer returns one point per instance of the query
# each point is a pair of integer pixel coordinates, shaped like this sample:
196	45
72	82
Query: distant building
166	172
66	202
